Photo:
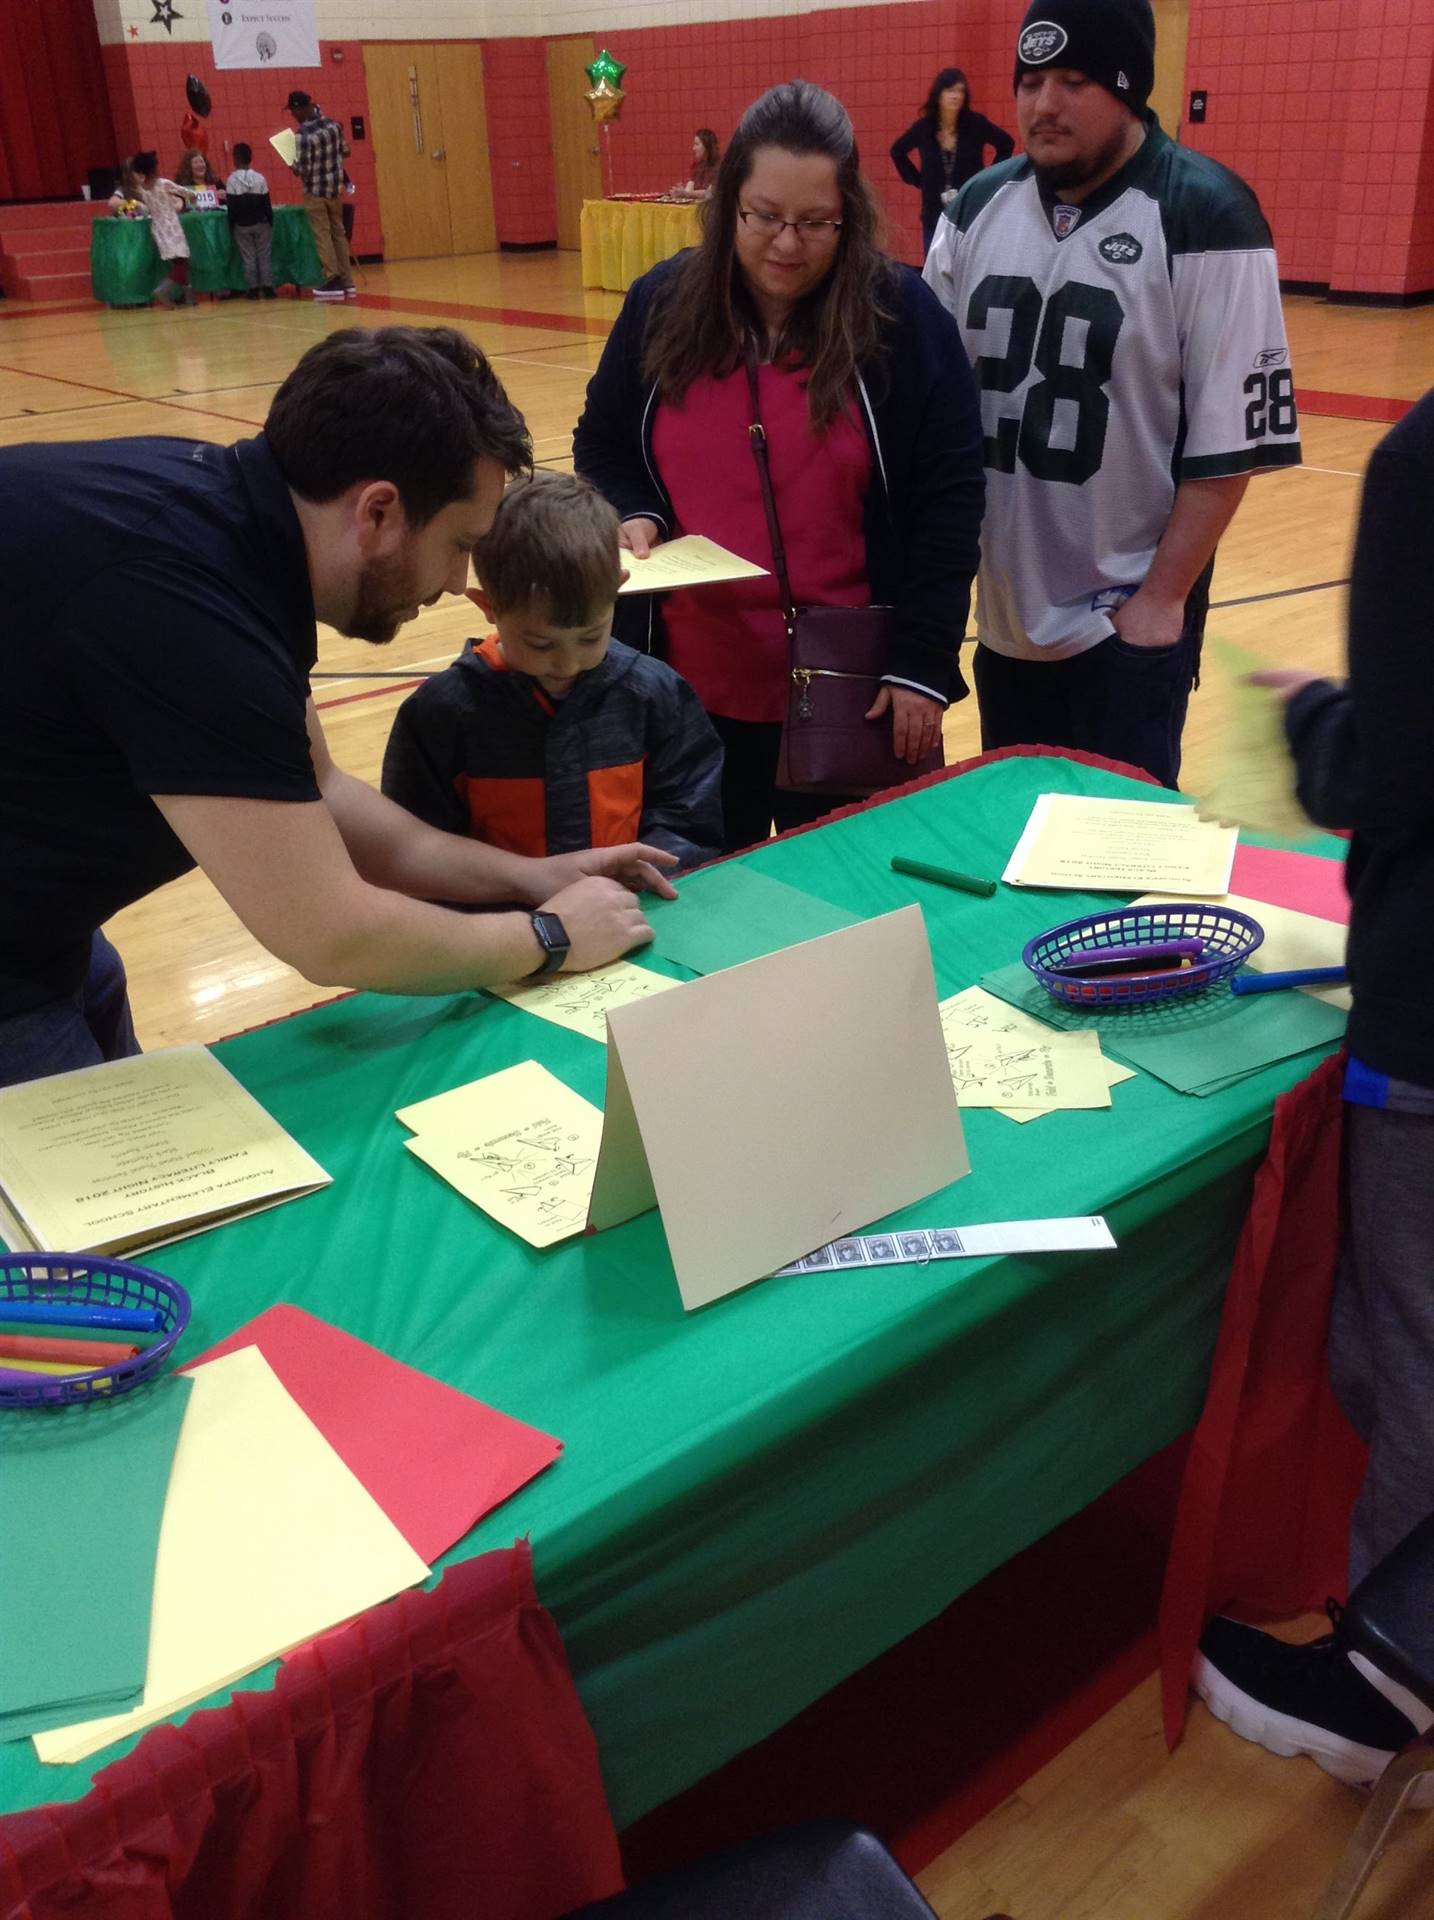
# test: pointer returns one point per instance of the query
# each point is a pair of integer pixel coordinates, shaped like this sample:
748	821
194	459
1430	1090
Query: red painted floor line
506	316
1351	406
1312	400
372	693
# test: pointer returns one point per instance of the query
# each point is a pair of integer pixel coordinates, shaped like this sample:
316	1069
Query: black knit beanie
1111	40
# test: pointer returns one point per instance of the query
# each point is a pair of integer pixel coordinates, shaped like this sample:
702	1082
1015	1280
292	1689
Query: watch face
551	931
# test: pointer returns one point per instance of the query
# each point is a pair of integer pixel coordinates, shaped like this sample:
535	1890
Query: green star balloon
606	68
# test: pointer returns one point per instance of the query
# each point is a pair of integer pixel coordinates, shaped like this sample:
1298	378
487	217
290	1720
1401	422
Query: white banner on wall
264	33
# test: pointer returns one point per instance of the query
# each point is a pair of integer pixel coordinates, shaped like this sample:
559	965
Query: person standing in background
951	139
251	220
319	164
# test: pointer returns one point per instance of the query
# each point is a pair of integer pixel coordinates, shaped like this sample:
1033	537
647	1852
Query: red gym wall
1325	106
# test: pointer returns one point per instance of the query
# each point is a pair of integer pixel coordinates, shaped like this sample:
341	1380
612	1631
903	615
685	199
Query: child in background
251	221
549	736
162	200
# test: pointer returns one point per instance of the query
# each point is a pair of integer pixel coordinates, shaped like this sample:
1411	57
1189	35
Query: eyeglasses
771	224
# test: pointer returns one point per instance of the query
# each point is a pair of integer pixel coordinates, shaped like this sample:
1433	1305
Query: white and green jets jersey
1121	346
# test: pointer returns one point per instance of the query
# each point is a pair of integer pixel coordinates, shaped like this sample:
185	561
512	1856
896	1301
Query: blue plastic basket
1227	939
80	1279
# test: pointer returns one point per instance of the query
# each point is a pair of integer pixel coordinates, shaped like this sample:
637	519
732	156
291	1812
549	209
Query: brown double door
429	124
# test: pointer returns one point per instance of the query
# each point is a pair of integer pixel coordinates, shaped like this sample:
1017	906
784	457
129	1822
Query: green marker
946	876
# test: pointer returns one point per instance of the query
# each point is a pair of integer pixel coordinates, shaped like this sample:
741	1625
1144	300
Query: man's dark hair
414	405
243	154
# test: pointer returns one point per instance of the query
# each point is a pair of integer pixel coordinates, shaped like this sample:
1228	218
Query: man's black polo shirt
156	636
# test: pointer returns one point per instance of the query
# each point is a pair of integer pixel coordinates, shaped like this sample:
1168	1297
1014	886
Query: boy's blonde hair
553	542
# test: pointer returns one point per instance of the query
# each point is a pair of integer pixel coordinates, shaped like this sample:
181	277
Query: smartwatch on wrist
553	939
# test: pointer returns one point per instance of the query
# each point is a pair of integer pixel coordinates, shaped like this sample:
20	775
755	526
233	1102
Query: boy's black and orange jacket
628	755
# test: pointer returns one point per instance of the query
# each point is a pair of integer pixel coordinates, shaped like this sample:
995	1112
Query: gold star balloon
605	101
605	68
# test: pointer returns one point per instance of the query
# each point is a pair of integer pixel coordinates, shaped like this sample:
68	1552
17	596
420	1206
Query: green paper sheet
1200	1045
82	1495
731	913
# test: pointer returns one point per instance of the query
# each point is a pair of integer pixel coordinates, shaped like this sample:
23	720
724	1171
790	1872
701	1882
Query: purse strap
757	435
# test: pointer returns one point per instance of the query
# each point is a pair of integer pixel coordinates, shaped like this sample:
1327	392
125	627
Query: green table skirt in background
757	1499
125	267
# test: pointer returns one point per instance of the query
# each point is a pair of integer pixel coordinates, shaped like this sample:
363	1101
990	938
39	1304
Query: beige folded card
775	1106
691	561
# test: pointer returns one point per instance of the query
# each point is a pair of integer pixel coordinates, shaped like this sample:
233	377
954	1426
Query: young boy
251	220
548	735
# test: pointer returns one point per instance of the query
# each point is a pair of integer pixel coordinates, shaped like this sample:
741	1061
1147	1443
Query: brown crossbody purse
836	659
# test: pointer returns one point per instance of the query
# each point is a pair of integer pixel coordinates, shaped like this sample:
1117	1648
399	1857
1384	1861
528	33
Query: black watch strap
553	938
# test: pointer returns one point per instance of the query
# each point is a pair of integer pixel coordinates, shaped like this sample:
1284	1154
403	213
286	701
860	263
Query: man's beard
385	593
1065	174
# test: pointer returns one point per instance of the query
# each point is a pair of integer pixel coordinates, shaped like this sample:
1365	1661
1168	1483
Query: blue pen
79	1313
1298	977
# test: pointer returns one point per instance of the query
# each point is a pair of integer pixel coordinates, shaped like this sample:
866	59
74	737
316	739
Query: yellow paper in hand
691	561
267	1540
286	144
581	1002
519	1144
1255	786
1002	1058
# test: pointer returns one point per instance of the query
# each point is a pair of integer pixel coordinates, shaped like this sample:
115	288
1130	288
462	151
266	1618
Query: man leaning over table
162	600
1119	300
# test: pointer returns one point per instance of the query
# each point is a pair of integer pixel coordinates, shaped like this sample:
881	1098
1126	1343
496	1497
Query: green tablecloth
757	1499
125	267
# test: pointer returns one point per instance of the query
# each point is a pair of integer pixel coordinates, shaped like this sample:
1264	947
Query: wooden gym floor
1113	1827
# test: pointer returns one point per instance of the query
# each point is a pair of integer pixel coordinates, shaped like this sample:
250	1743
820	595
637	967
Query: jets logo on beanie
1113	41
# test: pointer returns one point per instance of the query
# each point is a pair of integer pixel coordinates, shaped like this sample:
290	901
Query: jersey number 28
1038	337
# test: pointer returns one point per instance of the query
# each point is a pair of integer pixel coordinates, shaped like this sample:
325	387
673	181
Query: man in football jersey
1119	299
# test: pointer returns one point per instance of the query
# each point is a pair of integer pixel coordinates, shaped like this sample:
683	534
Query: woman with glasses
873	434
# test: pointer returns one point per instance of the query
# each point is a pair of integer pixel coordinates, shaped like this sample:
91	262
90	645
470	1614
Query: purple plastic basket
1227	939
83	1280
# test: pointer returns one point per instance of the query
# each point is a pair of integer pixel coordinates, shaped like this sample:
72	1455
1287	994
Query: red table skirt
428	1761
1274	1466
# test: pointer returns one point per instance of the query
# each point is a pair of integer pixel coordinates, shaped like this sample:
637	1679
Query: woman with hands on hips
873	432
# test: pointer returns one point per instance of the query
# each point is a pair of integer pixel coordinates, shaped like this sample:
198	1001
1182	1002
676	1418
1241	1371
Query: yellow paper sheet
1292	940
691	561
1120	846
1255	785
286	144
267	1540
581	1002
1000	1057
519	1144
140	1151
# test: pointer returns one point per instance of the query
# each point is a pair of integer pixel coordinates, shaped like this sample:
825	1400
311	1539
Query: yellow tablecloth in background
623	238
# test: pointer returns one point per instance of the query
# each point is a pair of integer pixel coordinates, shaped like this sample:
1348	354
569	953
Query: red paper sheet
1304	882
435	1460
